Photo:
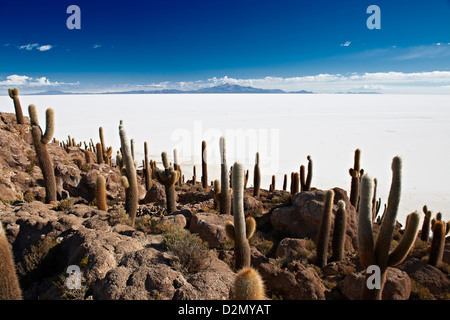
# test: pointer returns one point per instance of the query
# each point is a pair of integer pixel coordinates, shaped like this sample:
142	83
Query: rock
302	218
210	228
293	249
396	287
155	194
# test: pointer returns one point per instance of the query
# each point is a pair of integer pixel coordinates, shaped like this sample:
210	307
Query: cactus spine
437	243
248	285
324	232
168	177
256	177
40	142
241	230
225	199
372	253
14	95
9	283
340	228
204	166
100	193
130	176
355	174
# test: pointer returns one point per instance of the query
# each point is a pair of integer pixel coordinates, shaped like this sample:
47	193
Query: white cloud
32	46
346	44
95	46
26	81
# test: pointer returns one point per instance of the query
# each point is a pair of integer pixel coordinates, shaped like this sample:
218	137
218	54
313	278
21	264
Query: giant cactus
40	142
248	285
242	229
147	170
324	231
176	166
204	166
340	228
355	174
437	242
9	283
14	94
225	198
377	253
130	176
168	177
256	177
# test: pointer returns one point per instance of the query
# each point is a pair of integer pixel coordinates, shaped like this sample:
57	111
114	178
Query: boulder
210	228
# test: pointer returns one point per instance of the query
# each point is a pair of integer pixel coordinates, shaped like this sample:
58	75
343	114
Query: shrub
64	205
118	215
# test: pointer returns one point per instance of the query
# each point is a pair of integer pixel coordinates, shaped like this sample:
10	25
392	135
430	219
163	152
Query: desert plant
204	166
102	145
355	174
9	282
147	169
176	166
295	183
256	177
248	285
378	254
309	175
225	198
100	193
272	185
285	182
340	228
40	142
425	232
242	229
168	177
130	176
14	95
324	231
437	243
216	193
98	150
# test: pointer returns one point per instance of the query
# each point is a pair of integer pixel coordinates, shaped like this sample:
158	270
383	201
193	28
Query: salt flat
284	128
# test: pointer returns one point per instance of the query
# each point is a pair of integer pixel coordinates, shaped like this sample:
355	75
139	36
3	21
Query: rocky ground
121	262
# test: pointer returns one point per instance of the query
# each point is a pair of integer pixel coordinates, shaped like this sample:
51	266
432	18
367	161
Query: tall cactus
295	183
242	229
310	174
100	193
99	152
372	253
14	95
204	166
176	166
168	177
324	231
147	169
132	196
216	193
225	198
40	142
425	232
256	177
437	242
103	145
340	228
9	283
285	182
248	285
355	174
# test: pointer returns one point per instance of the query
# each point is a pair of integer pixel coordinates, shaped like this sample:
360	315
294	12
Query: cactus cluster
306	178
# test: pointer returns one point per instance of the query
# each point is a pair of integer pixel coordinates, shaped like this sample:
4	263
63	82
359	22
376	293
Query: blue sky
323	46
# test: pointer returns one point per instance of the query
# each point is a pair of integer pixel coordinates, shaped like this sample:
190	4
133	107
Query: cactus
272	186
324	232
102	144
130	176
9	282
355	174
256	177
302	178
204	166
246	180
309	175
14	95
437	243
176	166
87	156
147	169
248	285
295	183
100	193
98	151
425	232
216	193
285	182
340	228
40	142
225	198
194	175
242	229
372	253
168	177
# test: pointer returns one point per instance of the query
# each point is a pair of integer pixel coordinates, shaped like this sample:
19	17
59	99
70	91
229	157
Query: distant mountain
223	88
49	93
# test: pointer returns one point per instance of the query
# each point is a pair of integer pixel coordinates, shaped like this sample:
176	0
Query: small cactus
100	193
9	282
98	150
355	174
372	253
295	183
216	193
425	233
40	142
147	169
168	177
204	166
14	95
324	231
256	177
248	285
285	182
437	243
225	198
340	228
310	174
